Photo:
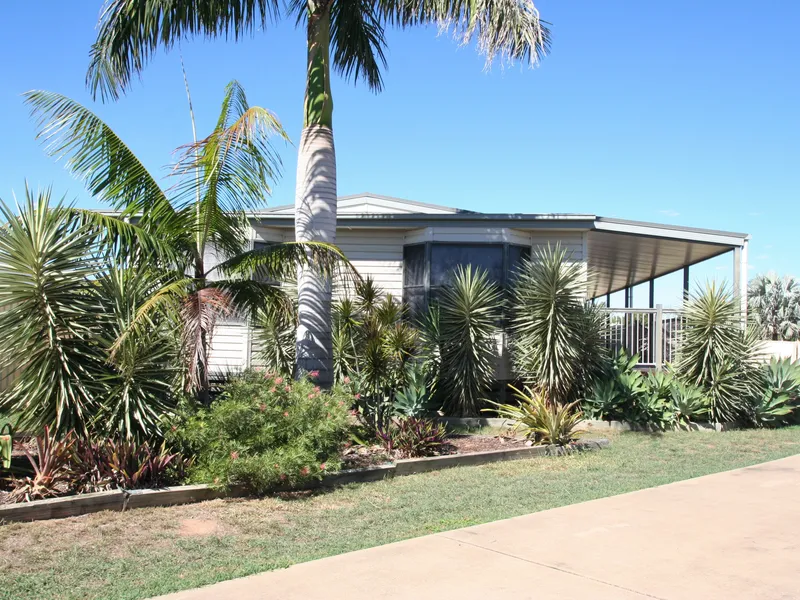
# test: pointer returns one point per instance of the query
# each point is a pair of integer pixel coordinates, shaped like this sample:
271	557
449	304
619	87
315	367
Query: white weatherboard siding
229	348
378	253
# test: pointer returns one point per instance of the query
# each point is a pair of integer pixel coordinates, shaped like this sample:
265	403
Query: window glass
446	257
414	266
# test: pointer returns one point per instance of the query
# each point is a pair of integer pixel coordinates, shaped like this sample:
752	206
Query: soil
361	457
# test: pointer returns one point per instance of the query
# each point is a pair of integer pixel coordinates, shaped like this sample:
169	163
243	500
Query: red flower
285	414
322	467
313	374
283	476
357	396
329	415
234	455
277	466
311	395
262	407
316	388
288	388
304	471
279	380
341	402
346	379
273	389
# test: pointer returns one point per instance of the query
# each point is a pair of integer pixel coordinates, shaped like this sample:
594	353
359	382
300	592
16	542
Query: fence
652	333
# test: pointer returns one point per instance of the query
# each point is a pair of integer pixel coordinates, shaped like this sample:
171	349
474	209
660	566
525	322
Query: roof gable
373	204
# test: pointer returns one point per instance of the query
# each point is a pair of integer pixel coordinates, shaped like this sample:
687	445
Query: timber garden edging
121	500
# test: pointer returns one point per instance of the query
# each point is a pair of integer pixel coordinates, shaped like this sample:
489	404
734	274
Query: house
408	247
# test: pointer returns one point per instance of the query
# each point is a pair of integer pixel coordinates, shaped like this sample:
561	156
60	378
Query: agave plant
416	398
718	354
555	338
780	390
689	404
540	419
469	310
219	180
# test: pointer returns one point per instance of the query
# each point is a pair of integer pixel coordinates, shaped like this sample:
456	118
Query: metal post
608	300
628	297
659	337
651	322
686	282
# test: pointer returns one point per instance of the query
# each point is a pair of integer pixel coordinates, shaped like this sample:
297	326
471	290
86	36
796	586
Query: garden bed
475	451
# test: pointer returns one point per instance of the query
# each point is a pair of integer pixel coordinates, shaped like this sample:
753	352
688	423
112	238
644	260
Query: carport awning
625	253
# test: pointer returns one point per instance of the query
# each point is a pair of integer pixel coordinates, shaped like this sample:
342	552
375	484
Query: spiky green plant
780	392
556	339
65	302
718	354
541	420
469	309
48	260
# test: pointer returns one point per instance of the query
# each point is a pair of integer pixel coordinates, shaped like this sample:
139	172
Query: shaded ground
147	552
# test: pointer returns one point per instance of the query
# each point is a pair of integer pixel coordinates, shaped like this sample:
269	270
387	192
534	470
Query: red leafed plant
411	437
52	471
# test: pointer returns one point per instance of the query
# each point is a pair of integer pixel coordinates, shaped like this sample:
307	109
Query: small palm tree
219	180
348	36
774	303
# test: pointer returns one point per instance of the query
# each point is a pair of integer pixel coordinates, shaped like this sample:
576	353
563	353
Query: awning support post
628	297
740	278
659	337
686	282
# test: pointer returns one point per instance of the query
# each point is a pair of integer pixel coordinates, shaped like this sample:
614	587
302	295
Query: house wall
378	253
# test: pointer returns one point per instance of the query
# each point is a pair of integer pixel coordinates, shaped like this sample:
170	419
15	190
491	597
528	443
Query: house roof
619	252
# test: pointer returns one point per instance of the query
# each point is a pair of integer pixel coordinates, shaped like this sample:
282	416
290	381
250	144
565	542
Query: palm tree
775	305
219	180
346	35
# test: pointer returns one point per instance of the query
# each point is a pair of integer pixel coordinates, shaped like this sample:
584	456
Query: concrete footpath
733	535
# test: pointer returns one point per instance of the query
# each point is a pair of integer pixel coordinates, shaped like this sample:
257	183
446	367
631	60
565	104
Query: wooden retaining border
596	425
121	500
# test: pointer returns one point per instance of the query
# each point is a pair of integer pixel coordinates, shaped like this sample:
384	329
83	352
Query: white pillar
740	277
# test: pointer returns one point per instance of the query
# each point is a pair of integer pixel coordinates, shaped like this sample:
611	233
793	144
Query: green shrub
415	399
265	431
541	420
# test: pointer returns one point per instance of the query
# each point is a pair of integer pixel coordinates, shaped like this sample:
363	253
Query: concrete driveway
733	535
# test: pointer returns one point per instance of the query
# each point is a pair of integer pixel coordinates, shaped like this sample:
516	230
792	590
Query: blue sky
682	112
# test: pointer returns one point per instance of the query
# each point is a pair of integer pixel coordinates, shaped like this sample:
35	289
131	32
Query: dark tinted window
414	266
446	257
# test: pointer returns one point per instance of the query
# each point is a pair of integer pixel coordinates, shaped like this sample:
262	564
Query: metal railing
652	333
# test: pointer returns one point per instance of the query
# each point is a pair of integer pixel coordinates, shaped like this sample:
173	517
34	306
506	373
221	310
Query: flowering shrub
265	431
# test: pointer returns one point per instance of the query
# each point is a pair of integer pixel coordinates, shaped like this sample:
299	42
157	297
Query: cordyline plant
220	180
346	36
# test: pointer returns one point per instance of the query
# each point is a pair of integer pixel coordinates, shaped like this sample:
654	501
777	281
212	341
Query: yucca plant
718	354
541	420
555	338
47	262
469	309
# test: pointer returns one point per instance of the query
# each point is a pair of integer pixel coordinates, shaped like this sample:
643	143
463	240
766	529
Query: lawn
153	551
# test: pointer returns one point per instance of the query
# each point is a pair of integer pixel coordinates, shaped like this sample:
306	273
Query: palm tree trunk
315	201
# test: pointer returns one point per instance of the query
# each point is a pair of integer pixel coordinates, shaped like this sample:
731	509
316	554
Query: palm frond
510	29
97	156
129	33
358	42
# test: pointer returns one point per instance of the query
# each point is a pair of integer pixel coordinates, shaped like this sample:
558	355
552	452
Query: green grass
153	551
